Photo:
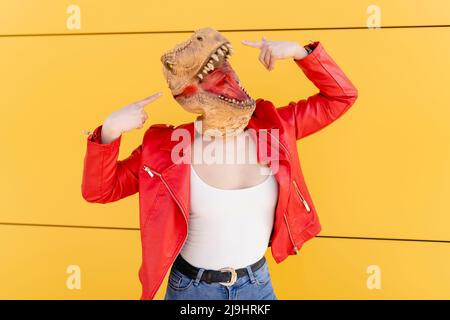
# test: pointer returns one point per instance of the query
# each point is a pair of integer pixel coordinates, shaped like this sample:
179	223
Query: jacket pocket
302	198
151	191
307	217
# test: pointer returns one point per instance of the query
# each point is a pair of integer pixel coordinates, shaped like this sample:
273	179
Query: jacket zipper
152	173
290	235
147	169
305	204
284	214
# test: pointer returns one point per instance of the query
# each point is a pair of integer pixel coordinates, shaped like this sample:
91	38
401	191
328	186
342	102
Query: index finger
149	99
257	44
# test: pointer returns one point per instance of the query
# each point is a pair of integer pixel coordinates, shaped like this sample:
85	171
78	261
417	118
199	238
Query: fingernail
86	132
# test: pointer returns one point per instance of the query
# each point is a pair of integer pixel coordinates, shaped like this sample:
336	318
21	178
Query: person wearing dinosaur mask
210	221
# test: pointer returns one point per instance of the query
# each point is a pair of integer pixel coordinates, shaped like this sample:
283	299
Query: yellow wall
379	172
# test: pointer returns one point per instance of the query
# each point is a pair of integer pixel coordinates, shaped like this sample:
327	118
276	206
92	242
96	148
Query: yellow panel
35	265
49	16
364	269
380	171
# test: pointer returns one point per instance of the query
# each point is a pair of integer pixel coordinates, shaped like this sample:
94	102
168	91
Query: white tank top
229	228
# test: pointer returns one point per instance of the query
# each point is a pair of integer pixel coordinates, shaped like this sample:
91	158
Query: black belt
226	276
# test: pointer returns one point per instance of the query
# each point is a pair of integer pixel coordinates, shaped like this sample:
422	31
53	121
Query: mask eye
169	65
200	38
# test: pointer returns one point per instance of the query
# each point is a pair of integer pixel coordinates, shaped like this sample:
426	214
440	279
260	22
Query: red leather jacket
163	186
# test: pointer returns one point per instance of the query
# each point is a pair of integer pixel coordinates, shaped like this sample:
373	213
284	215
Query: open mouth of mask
217	78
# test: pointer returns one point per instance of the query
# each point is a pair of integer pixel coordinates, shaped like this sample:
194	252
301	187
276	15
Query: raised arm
336	94
105	178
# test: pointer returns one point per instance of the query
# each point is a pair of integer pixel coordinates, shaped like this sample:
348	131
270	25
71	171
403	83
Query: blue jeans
253	286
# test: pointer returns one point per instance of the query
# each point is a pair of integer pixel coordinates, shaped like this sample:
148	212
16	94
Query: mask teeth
240	86
243	103
222	53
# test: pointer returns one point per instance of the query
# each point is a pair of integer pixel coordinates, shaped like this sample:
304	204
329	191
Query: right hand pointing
128	118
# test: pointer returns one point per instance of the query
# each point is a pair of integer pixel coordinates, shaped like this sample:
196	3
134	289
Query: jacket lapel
279	162
178	147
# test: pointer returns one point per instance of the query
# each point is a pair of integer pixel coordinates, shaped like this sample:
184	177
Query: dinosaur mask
202	81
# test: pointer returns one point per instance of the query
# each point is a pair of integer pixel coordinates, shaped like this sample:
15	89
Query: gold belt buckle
233	276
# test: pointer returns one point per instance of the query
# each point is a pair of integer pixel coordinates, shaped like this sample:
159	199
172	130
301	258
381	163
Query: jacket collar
169	142
258	124
263	120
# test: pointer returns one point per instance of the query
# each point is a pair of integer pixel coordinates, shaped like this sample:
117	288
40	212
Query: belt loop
250	274
199	276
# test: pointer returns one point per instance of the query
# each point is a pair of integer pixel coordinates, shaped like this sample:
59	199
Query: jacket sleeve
106	179
336	94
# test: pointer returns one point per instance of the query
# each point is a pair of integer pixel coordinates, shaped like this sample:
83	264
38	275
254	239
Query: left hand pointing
273	50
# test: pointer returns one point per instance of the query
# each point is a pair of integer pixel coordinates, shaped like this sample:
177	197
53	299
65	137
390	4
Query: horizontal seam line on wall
382	239
137	229
65	226
220	30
